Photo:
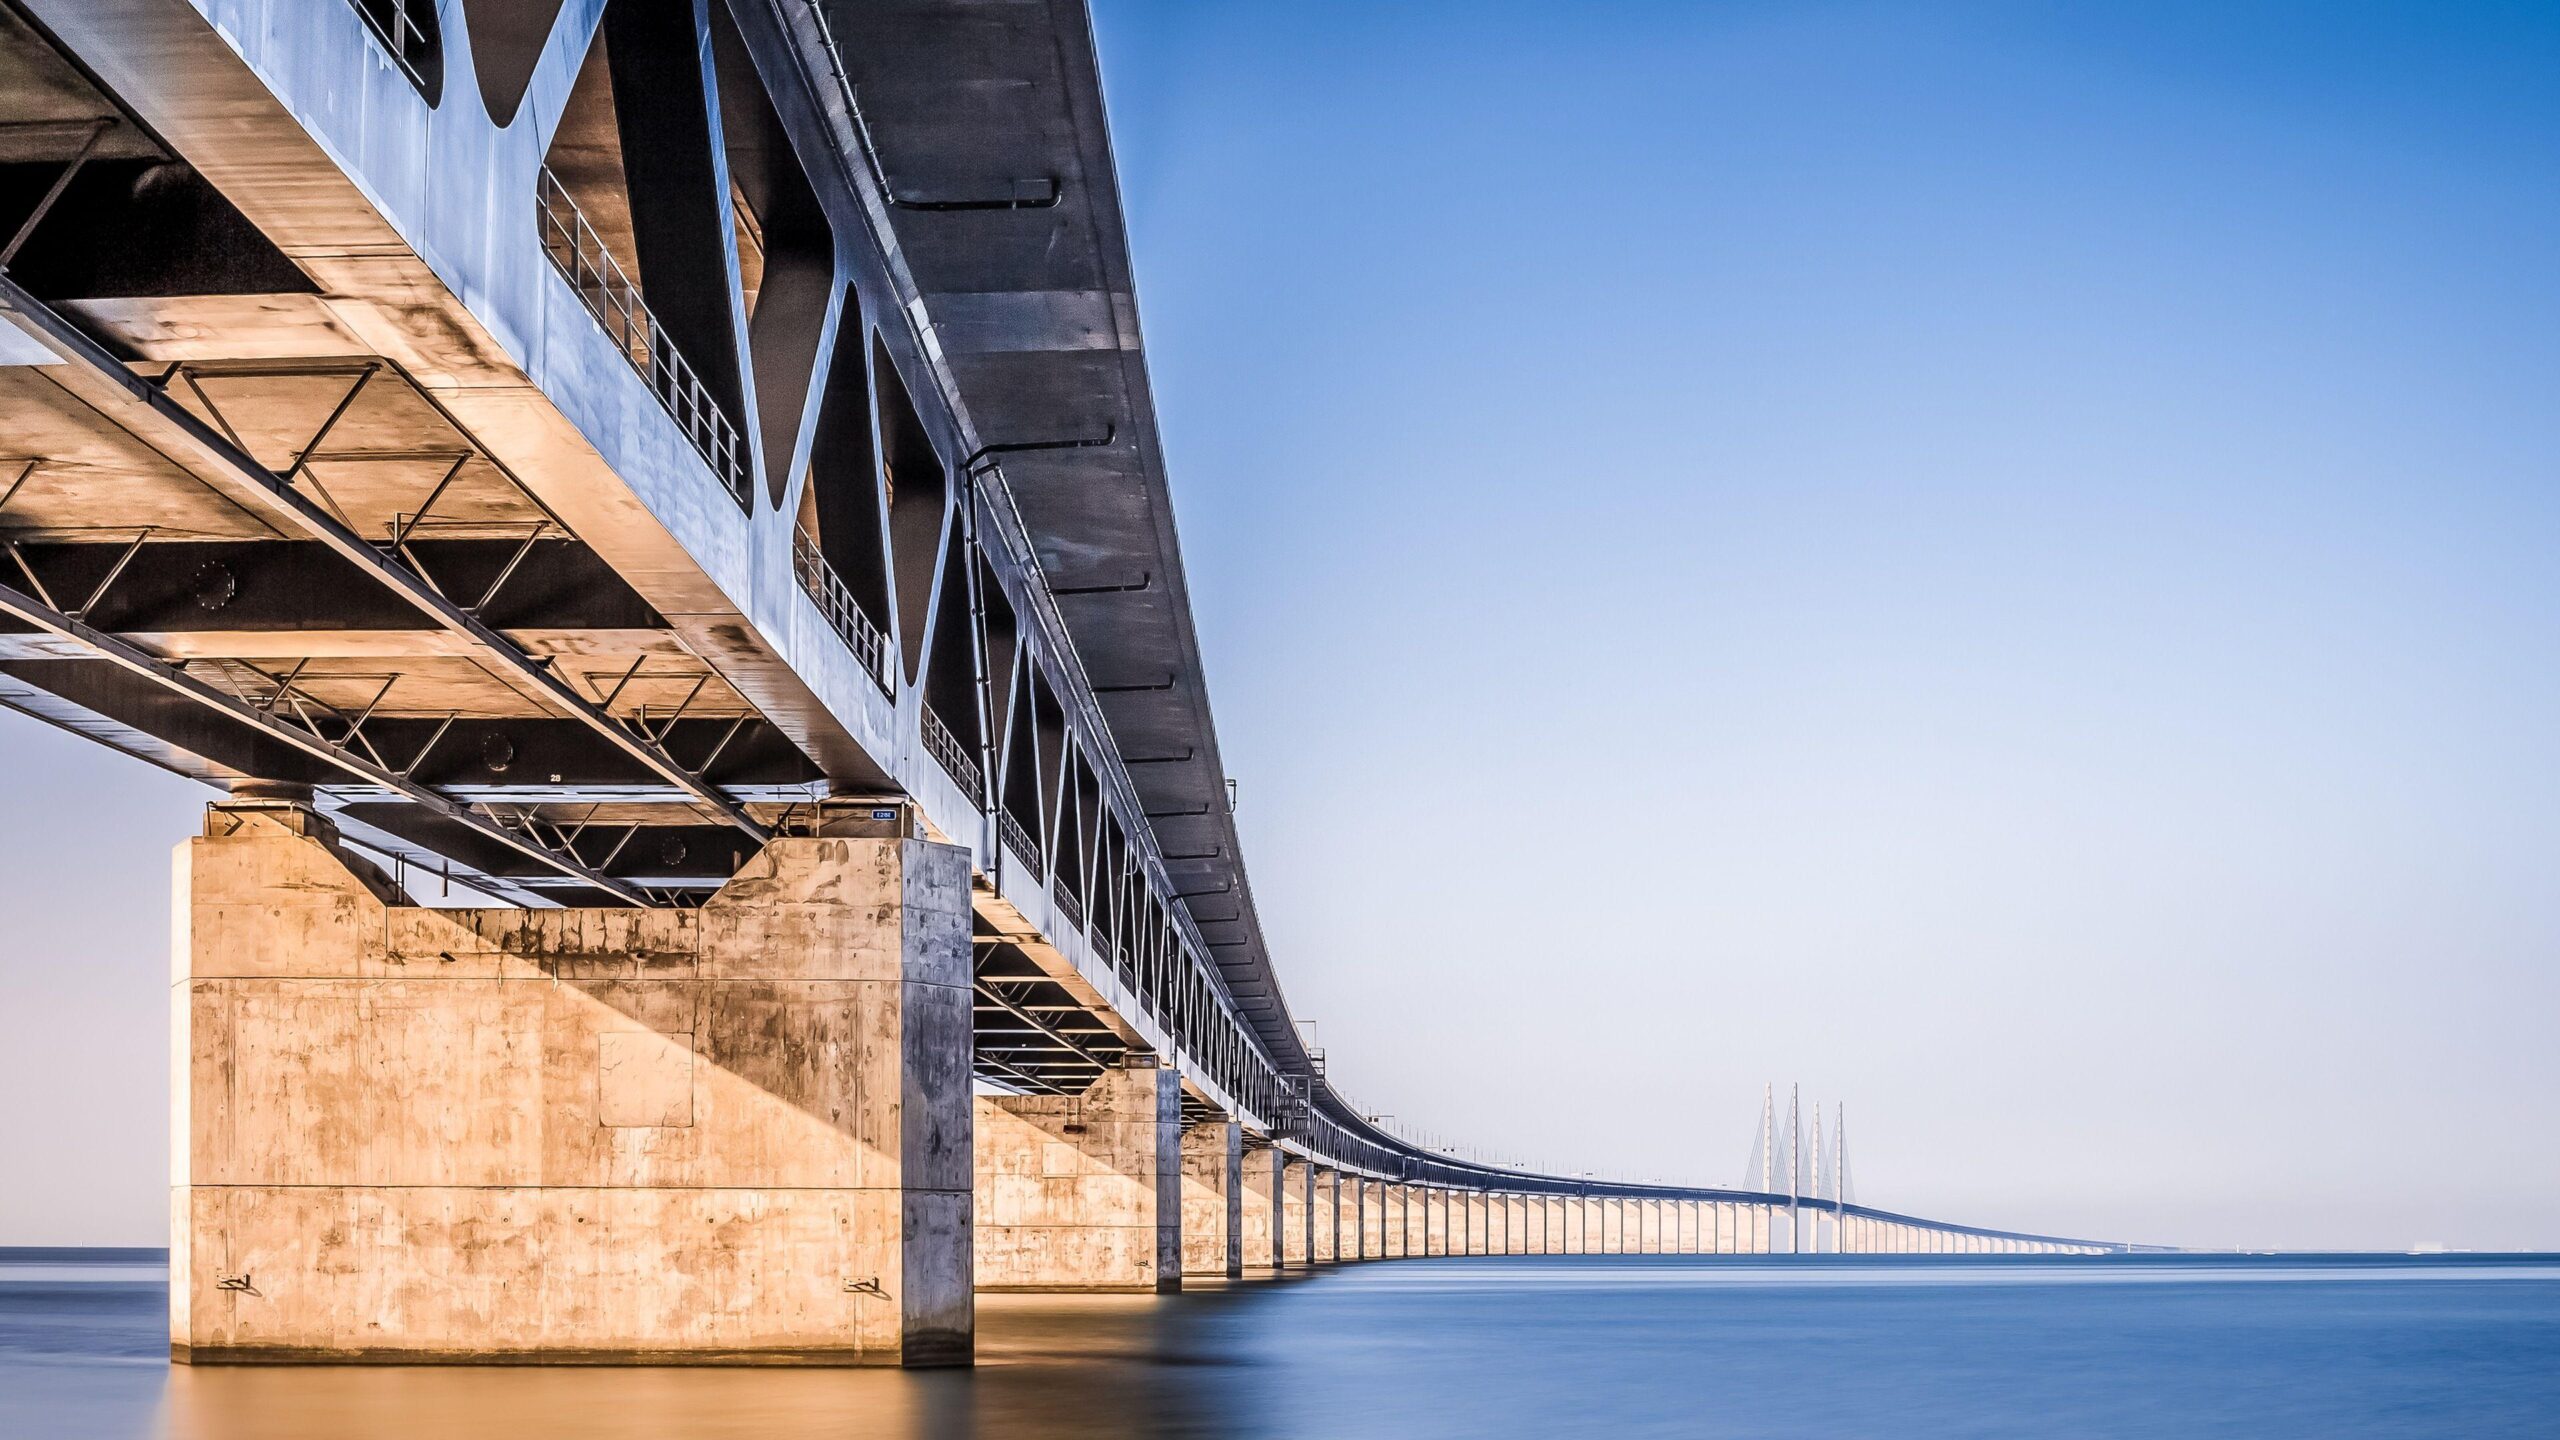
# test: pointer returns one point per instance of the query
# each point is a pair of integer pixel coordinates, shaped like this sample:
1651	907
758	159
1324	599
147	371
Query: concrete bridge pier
408	1134
1083	1192
1435	1221
1328	1216
1297	1213
1262	1191
1479	1221
1373	1219
1213	1200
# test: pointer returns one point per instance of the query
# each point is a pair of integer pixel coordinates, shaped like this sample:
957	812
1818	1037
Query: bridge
650	512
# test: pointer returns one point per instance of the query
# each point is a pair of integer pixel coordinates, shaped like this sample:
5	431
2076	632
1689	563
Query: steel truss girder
163	423
133	658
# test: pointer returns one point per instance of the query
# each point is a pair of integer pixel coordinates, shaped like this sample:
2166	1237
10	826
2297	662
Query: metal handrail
610	296
1018	840
1070	909
834	599
947	750
408	43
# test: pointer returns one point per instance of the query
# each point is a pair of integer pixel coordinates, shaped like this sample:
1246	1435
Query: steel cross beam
160	421
131	657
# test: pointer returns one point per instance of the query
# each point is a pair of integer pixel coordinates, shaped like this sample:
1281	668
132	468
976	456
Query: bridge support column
1435	1221
732	1135
1373	1219
1213	1199
1613	1226
1262	1220
1083	1192
1479	1221
1328	1217
1297	1213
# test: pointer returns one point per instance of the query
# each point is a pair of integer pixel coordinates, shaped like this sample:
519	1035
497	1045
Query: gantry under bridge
684	472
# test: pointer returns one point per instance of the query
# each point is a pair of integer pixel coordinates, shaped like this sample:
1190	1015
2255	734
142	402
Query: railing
834	600
411	46
591	270
953	756
1069	909
1018	840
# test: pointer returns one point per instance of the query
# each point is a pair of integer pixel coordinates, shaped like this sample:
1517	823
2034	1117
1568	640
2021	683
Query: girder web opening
841	548
786	250
952	714
635	213
919	503
507	37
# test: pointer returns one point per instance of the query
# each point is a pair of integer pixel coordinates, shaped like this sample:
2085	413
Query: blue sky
1994	559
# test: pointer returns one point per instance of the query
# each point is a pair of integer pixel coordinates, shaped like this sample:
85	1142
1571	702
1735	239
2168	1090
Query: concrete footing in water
733	1134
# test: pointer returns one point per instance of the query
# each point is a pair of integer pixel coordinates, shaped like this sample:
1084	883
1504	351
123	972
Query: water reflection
1636	1346
1050	1367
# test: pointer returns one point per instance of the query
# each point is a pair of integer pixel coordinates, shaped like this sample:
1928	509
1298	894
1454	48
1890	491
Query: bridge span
681	472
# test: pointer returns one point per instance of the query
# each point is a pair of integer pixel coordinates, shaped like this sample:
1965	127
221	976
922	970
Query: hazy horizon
1995	562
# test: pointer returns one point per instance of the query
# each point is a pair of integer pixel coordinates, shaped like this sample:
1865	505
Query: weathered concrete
733	1135
1261	1228
1373	1220
1297	1213
1213	1199
1479	1222
1082	1192
1328	1216
1435	1221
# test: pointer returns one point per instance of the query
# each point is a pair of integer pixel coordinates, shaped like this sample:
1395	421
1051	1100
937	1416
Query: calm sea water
2314	1346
